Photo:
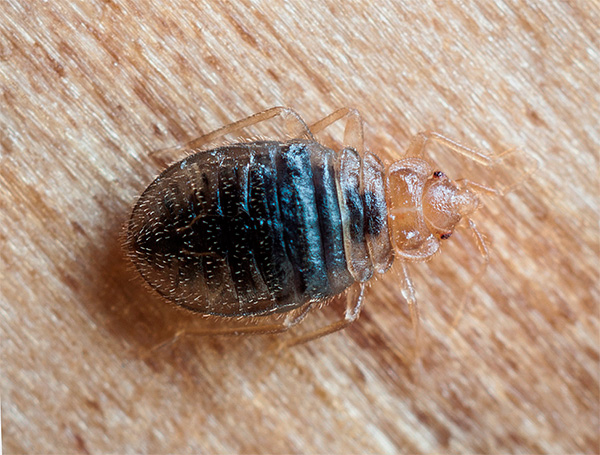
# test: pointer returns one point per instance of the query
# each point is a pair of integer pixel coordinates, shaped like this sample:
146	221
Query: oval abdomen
250	229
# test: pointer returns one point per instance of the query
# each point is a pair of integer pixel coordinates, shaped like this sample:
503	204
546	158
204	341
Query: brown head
425	207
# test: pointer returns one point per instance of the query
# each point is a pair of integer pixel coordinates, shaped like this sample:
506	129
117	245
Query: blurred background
89	88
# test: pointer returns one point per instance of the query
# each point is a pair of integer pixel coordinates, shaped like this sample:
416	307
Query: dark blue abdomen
253	228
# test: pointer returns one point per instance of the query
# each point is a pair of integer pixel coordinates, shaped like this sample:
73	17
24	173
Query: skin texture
89	88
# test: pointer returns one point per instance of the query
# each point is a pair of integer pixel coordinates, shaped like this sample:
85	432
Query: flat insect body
269	217
257	228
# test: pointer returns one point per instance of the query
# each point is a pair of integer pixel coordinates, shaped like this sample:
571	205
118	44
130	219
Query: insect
262	227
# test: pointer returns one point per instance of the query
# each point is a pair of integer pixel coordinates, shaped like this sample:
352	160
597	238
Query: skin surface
89	88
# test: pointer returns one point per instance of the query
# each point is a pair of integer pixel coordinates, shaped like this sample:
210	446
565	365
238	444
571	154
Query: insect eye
439	174
445	235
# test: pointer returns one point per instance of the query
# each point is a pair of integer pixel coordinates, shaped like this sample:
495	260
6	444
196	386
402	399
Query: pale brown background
87	88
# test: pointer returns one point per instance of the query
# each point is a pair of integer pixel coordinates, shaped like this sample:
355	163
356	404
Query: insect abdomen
257	228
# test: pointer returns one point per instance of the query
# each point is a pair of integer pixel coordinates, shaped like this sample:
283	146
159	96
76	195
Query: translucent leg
354	303
353	133
293	318
294	125
483	249
479	187
419	142
408	292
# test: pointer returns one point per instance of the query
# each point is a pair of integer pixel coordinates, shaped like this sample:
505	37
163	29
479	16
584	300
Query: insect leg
408	292
354	303
485	253
353	133
295	128
419	143
293	318
479	187
529	165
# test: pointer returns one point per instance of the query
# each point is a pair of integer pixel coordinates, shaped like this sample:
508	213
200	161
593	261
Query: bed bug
261	227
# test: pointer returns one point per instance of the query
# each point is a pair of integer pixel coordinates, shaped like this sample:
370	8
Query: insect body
264	227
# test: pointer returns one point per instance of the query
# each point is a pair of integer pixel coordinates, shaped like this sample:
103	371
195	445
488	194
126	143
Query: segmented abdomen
261	227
